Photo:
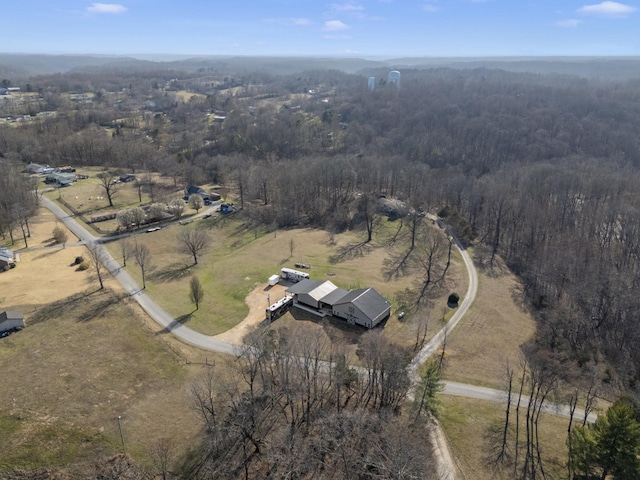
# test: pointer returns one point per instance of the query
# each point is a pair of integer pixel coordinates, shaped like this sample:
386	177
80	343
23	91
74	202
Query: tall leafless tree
196	291
97	258
193	242
109	184
142	254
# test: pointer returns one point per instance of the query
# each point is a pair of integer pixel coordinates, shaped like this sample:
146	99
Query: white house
11	320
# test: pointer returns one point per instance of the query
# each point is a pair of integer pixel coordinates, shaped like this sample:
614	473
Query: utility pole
121	436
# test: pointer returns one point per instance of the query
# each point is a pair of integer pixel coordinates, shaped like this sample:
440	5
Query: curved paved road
154	310
158	314
469	297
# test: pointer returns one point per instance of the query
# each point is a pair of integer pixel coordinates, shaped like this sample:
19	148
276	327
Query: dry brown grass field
466	423
491	333
93	355
85	357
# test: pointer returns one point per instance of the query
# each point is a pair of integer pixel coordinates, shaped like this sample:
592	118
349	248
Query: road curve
439	337
192	337
155	311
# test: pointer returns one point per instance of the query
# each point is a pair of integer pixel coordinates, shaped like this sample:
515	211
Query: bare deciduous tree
193	242
97	257
60	235
125	249
162	453
196	292
143	258
109	184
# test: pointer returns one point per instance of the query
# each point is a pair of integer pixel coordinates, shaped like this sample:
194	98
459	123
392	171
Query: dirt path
257	301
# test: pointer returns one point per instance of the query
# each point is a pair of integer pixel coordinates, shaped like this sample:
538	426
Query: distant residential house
316	294
7	259
194	190
11	320
36	168
61	179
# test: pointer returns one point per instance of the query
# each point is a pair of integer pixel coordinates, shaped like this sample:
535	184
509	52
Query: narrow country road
157	313
469	297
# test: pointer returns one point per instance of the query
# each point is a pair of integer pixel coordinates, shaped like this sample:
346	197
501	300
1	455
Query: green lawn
238	260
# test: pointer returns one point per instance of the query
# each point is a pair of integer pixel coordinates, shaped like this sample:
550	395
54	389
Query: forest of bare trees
299	409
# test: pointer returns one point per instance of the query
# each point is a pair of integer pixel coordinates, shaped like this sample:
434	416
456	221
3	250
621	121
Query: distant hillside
13	66
20	66
606	68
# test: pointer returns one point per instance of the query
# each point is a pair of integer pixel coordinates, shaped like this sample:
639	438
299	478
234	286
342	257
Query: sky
362	28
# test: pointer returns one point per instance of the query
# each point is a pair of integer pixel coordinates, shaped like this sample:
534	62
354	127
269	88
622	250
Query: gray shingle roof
370	302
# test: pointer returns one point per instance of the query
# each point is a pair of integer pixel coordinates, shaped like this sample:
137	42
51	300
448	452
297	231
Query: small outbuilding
11	320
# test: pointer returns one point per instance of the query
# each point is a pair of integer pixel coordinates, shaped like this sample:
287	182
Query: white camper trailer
293	275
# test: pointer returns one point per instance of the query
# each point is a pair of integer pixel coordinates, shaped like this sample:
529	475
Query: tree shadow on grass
76	306
181	320
50	250
103	306
172	273
353	250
